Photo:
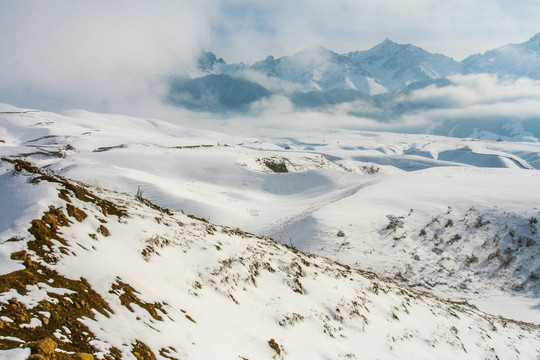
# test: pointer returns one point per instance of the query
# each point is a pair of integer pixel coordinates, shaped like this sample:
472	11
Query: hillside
97	254
115	276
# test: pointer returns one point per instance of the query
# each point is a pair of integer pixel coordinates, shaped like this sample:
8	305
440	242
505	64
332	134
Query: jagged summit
208	62
534	42
387	43
535	38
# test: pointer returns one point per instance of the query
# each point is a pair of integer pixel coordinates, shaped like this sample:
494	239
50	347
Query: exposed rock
78	214
83	356
142	352
45	347
103	231
19	255
36	357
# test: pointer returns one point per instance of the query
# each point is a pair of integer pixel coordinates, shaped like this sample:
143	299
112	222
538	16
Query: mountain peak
388	44
535	41
316	50
207	61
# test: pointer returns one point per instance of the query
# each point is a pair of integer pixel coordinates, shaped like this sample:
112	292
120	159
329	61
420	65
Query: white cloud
480	101
273	84
99	55
475	90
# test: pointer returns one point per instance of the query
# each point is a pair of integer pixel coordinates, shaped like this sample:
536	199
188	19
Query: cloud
273	84
481	93
480	101
466	105
100	55
275	105
466	90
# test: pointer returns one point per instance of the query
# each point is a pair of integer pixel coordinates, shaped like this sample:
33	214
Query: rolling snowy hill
371	228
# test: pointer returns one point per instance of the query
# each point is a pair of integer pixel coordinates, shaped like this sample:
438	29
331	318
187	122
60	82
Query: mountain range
317	77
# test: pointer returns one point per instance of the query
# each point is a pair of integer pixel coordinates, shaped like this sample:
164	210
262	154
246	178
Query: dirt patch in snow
128	295
277	165
57	316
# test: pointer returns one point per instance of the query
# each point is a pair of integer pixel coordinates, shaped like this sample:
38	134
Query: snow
522	308
15	354
18	209
241	290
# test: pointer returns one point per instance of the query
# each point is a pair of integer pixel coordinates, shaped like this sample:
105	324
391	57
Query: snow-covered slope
389	203
112	275
518	60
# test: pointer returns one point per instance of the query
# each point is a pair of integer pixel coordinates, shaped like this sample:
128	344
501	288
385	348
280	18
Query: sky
249	30
113	56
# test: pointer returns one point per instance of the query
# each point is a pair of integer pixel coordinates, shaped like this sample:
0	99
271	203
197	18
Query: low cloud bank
465	105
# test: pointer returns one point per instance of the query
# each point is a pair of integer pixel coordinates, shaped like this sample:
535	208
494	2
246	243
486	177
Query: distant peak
535	38
207	61
317	51
386	43
389	45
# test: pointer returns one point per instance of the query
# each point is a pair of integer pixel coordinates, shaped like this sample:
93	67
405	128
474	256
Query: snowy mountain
374	231
518	60
386	67
319	69
385	84
208	63
396	66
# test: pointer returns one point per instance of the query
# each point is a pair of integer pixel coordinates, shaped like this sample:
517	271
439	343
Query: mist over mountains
494	94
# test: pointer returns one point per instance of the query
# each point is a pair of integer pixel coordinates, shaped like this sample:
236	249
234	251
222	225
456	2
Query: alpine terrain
136	238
